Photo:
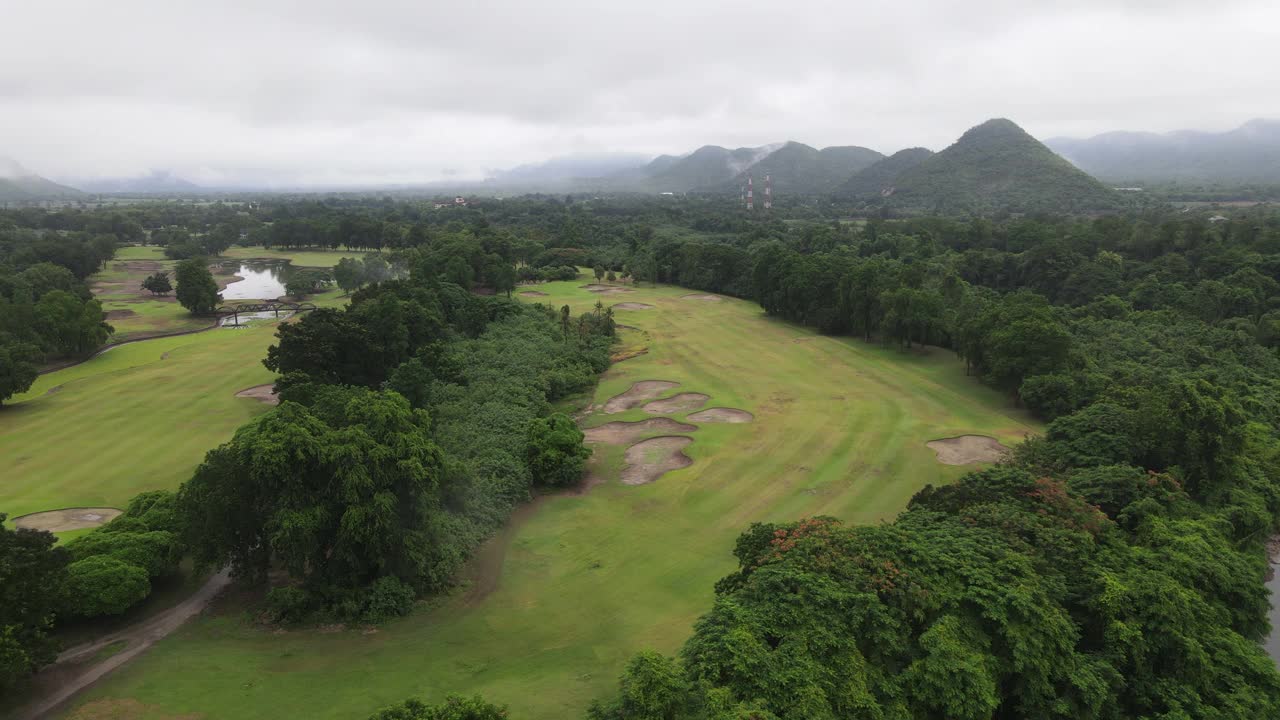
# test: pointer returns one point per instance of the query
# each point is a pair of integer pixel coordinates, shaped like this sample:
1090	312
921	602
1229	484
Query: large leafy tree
197	291
69	325
32	578
340	494
17	371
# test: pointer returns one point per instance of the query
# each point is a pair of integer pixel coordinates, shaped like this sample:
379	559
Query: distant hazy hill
883	175
997	165
17	184
708	167
157	181
570	167
1250	153
799	169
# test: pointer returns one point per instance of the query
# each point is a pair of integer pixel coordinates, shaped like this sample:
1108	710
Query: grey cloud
389	90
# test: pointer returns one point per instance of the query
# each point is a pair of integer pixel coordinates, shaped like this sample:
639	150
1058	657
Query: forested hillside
997	165
1249	154
882	176
798	169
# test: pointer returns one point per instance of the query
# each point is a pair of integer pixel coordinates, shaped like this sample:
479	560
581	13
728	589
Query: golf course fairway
576	583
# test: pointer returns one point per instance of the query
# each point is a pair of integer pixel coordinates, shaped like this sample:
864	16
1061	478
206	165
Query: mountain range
1248	154
157	181
993	165
18	184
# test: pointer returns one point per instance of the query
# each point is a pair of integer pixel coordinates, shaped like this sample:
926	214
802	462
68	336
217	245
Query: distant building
458	201
1217	219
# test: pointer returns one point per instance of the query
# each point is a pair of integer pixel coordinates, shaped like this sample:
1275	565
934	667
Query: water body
262	281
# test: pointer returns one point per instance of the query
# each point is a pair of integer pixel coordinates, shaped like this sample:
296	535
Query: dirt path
75	671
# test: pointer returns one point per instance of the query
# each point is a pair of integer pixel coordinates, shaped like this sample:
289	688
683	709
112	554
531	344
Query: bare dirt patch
532	293
117	314
702	297
147	266
637	395
621	433
633	306
67	519
627	354
968	449
722	415
265	393
122	709
605	289
650	459
684	402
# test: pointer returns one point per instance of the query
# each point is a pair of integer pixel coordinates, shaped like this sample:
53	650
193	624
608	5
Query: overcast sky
320	91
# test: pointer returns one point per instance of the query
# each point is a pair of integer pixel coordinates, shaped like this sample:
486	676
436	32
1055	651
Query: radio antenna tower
751	201
768	192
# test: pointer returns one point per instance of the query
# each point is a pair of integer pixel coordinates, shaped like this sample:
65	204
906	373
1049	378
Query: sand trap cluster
621	433
968	449
722	415
684	402
637	395
605	289
67	519
532	293
264	393
702	297
633	306
650	459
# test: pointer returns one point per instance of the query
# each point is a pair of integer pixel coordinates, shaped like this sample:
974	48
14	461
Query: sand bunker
265	393
968	449
704	298
722	415
532	293
621	433
638	394
683	402
605	289
67	519
650	459
633	306
118	314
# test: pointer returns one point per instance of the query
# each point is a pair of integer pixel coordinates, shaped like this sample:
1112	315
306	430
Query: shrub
289	604
104	585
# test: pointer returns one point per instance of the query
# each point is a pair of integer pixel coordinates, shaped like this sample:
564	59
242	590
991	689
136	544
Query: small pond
262	280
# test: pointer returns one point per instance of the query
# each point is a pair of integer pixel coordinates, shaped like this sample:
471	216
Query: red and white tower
768	192
751	200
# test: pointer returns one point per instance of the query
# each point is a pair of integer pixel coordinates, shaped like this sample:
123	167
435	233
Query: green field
300	258
575	584
138	417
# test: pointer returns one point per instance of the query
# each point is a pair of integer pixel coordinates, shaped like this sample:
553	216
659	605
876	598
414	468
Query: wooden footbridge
277	307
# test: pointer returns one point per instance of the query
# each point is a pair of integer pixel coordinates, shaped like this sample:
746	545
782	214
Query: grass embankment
576	584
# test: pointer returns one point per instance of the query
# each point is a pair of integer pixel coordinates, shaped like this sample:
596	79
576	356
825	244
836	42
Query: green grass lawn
138	417
299	258
575	584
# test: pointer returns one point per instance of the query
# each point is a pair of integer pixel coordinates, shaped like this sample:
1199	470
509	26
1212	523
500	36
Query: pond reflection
261	281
